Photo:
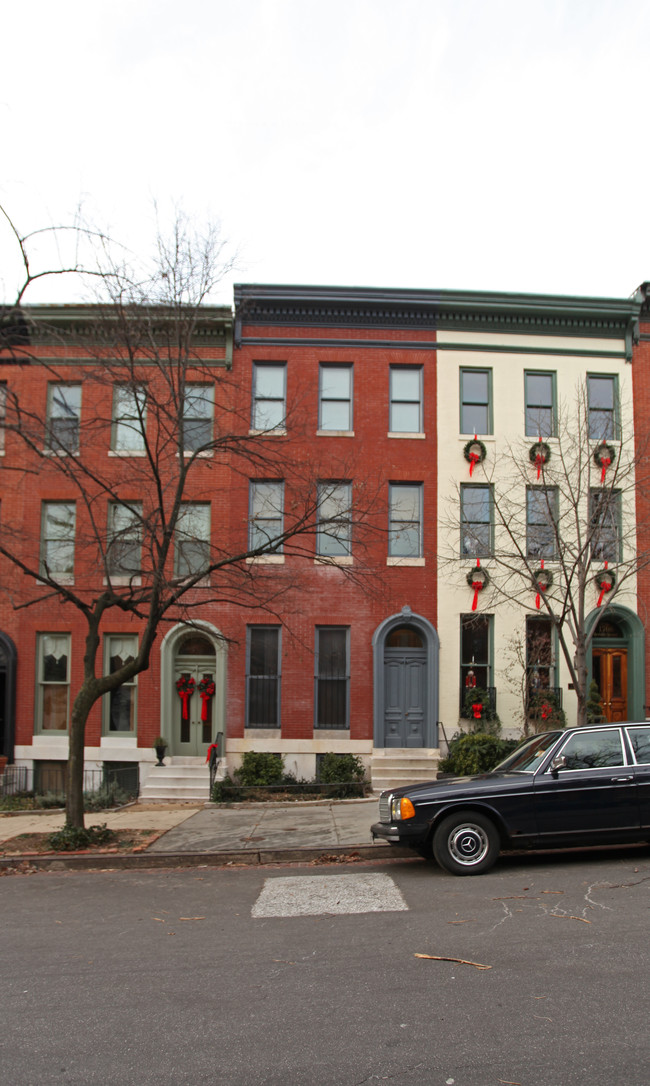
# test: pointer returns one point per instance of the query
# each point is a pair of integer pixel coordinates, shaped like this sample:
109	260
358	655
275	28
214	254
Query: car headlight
401	808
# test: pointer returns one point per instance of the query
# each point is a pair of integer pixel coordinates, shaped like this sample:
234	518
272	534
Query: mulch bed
37	844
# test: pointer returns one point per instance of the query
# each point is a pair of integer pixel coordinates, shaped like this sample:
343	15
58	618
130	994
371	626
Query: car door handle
622	779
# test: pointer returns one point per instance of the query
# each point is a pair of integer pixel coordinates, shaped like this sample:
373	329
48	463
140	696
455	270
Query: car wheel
466	843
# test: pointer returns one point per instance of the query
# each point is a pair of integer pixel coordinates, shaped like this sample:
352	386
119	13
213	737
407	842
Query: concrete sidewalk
242	833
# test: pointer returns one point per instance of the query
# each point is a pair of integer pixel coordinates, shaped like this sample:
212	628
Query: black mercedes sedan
582	786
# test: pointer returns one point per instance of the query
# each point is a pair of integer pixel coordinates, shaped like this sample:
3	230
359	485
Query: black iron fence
109	786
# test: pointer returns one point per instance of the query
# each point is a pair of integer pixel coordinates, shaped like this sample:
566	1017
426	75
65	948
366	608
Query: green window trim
476	405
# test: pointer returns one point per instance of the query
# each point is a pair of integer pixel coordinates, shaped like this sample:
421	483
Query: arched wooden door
610	674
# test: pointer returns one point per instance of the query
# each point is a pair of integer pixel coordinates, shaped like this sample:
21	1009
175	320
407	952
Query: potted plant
160	746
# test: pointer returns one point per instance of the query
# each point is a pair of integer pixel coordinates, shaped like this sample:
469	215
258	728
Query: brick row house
398	432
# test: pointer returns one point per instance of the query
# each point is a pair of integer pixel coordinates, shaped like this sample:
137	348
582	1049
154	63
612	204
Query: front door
610	675
404	697
192	730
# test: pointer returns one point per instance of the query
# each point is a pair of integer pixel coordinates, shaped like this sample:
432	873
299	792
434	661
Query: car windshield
527	757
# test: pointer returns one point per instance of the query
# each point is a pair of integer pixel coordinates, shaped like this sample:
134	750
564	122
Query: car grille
384	807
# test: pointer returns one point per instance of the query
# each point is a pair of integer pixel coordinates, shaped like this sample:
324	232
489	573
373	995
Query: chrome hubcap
468	844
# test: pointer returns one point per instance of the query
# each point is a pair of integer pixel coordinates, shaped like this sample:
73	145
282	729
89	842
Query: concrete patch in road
316	895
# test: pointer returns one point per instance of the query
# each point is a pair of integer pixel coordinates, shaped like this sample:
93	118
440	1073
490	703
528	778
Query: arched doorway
617	663
193	702
406	682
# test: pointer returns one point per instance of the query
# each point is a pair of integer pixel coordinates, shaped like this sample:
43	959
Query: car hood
477	785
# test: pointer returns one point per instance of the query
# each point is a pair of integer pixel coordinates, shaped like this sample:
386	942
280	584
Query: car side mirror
559	762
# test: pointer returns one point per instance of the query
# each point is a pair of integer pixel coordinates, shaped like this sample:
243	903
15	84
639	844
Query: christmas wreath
542	580
605	581
604	455
185	686
539	454
206	690
478	579
475	453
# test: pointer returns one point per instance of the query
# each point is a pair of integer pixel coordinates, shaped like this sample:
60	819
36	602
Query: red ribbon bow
477	586
540	460
206	693
604	463
477	710
474	458
605	586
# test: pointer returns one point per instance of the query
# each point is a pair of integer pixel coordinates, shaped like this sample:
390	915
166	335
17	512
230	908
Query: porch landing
392	767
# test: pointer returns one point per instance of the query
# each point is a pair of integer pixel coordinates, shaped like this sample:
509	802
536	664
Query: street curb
140	861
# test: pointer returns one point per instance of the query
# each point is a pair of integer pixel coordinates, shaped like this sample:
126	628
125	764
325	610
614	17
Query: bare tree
564	513
139	518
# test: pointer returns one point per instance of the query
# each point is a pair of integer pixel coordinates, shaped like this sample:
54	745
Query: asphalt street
309	976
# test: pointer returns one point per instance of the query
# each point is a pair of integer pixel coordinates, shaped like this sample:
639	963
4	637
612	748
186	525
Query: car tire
466	843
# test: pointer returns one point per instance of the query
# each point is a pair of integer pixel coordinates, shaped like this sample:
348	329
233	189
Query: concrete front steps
392	767
178	779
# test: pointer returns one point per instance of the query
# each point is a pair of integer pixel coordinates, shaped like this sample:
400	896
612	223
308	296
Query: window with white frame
53	679
124	540
63	418
263	677
405	400
266	516
269	407
605	524
332	677
475	406
120	706
57	539
541	521
540	404
192	540
335	398
602	398
334	534
405	520
129	418
198	411
476	521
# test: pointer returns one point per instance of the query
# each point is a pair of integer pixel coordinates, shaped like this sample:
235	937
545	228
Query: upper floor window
269	396
406	399
541	521
192	540
266	516
263	677
53	682
602	400
540	404
334	526
57	539
605	524
405	520
476	521
121	704
475	405
124	539
332	677
129	418
198	409
63	418
335	401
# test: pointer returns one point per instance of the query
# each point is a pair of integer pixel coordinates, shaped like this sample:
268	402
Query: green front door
192	728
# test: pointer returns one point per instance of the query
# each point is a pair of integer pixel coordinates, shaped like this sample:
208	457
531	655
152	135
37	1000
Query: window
129	418
266	520
540	404
475	401
406	399
539	654
198	409
334	528
541	521
602	399
53	682
263	677
332	678
405	520
474	653
63	418
57	539
121	704
335	411
192	549
476	521
123	553
640	740
604	524
593	750
269	396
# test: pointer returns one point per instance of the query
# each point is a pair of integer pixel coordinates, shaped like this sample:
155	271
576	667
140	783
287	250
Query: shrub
595	714
260	768
110	795
340	769
476	752
225	791
71	838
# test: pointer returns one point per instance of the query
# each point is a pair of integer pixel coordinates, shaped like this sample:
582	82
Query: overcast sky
453	144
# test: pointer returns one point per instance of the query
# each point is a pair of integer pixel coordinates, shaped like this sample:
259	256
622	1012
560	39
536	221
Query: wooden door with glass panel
610	675
194	691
